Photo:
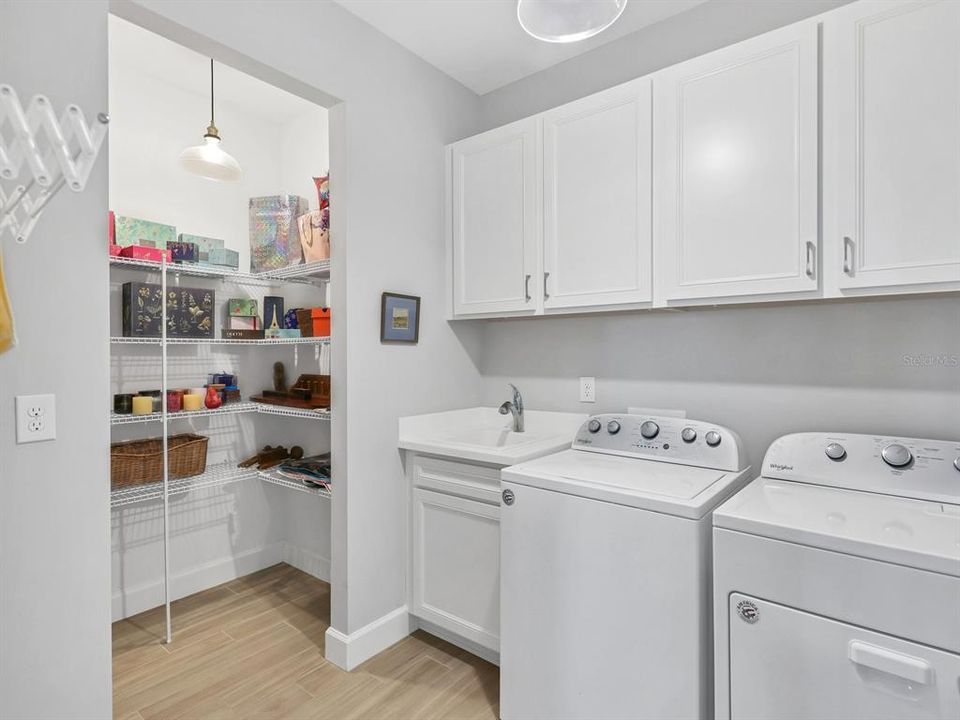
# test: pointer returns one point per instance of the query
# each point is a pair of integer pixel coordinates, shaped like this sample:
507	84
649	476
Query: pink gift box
141	252
115	250
242	322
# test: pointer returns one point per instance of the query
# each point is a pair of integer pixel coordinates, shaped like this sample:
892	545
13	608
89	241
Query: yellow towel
7	336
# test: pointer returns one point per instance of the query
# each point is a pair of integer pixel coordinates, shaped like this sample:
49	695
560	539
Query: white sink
483	435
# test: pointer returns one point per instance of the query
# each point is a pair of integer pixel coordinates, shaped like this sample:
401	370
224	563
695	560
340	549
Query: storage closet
175	536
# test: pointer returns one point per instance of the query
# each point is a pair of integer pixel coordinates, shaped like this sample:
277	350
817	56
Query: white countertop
484	435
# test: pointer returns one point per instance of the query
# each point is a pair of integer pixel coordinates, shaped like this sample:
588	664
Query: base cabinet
455	549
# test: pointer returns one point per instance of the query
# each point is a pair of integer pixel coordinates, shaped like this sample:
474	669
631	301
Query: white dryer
837	582
605	571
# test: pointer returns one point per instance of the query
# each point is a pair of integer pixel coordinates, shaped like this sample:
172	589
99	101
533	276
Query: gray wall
54	502
762	370
851	366
714	24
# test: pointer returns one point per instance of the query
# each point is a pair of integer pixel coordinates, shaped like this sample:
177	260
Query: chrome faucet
515	408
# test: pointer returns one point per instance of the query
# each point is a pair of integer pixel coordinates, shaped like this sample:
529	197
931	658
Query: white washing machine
837	582
605	571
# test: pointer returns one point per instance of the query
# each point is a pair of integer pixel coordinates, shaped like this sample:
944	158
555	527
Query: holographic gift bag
274	235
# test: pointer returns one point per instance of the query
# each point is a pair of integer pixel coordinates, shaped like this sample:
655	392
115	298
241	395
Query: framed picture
399	318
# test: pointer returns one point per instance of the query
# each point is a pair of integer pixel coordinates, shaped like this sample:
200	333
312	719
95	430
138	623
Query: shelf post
166	459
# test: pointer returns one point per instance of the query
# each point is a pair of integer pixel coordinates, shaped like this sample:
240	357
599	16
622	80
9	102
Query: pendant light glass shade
209	160
566	21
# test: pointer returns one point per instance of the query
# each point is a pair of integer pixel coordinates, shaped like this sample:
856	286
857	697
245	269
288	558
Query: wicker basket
138	462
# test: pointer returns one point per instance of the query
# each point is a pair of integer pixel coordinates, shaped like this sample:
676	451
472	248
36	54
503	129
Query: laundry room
509	359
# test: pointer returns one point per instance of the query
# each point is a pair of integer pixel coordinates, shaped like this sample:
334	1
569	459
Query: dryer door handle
891	662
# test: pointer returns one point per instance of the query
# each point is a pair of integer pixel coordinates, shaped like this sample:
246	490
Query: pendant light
567	21
209	160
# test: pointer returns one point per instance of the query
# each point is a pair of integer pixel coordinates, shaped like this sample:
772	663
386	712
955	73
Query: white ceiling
134	48
480	43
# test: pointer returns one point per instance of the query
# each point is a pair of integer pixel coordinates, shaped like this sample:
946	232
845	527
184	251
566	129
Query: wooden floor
253	648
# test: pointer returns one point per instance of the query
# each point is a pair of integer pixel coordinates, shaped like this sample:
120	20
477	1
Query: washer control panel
667	439
906	467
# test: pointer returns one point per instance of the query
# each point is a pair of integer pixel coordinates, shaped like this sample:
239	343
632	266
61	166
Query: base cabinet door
736	170
596	200
456	565
495	223
892	73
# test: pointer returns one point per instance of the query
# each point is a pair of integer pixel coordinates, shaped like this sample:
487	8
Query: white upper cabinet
596	200
892	192
495	223
736	171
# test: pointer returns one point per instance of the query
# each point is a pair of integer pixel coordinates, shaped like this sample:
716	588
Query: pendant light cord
211	93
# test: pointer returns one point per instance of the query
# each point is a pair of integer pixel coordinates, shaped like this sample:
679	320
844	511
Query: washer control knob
835	451
649	429
896	455
688	434
712	438
593	426
613	427
956	463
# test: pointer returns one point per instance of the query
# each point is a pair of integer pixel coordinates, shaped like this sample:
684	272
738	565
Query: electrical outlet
36	418
588	389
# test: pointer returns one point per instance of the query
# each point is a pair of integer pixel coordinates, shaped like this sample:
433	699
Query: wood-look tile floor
253	648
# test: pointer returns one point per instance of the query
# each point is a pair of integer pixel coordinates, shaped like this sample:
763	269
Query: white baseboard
349	651
130	601
307	561
491	656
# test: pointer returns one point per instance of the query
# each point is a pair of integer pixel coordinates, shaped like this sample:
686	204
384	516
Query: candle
142	405
174	400
123	403
191	401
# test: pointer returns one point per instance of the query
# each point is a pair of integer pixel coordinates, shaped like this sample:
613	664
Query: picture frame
399	318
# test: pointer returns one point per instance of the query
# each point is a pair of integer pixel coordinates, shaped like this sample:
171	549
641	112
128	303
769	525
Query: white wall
388	137
762	371
54	496
712	25
304	153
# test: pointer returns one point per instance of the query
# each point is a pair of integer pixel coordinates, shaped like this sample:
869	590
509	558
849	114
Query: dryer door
791	665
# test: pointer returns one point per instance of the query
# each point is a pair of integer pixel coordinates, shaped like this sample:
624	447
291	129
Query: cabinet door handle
526	288
811	260
546	295
848	255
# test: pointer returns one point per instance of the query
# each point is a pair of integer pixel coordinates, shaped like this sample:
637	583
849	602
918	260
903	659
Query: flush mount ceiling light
566	21
209	160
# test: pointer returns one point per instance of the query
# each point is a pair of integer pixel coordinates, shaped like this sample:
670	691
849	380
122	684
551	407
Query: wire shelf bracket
55	153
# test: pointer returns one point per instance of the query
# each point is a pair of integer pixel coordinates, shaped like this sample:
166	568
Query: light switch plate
588	389
36	418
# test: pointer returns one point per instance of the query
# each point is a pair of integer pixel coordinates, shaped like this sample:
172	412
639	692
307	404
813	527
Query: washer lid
648	484
916	533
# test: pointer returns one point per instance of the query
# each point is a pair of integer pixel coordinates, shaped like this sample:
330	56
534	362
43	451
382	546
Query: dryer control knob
688	434
835	451
956	463
712	438
613	427
649	429
896	455
593	426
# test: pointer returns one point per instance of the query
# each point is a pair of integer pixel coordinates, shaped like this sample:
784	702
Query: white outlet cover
36	418
588	389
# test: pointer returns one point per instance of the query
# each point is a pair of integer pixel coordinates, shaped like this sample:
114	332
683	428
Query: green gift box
224	257
204	245
134	231
244	307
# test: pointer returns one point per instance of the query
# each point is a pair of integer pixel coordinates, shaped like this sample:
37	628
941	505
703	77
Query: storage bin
223	257
137	462
321	321
134	231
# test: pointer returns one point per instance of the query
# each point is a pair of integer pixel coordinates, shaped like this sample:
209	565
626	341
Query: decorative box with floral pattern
190	311
134	231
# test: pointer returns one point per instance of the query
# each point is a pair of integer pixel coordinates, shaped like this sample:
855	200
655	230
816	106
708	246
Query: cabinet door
596	199
456	565
735	170
892	73
495	221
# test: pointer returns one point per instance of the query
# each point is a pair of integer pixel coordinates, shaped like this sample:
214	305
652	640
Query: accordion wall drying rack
51	152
